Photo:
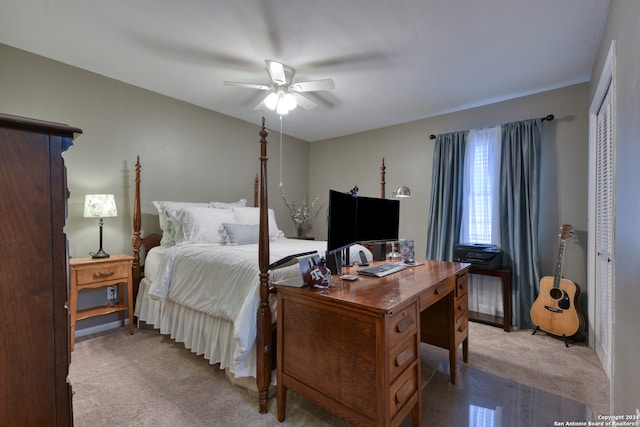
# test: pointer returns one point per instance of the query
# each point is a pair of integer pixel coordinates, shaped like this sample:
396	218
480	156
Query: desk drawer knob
404	357
441	289
462	327
404	324
405	392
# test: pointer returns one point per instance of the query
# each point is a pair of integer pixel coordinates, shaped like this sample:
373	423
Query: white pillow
240	234
165	208
200	224
222	205
252	216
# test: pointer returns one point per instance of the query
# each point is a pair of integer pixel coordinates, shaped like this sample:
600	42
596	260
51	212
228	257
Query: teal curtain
519	212
445	212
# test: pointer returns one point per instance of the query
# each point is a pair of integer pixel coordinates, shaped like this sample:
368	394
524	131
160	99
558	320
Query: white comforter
223	281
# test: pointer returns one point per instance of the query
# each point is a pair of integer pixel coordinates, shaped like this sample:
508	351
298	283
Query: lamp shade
99	206
282	102
271	101
402	191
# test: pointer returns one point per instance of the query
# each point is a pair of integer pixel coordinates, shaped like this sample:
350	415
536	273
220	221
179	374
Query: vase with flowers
302	213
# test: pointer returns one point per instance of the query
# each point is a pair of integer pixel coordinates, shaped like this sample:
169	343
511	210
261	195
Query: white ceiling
392	61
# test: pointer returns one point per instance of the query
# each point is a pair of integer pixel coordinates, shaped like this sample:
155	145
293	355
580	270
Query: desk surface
383	294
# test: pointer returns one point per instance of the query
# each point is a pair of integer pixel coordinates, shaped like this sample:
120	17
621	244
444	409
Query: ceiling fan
285	94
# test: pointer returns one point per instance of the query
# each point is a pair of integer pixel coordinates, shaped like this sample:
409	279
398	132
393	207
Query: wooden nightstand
90	273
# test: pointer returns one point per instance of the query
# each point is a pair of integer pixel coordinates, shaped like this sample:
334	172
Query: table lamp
100	206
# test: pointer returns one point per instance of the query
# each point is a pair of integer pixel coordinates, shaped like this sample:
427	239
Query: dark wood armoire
34	331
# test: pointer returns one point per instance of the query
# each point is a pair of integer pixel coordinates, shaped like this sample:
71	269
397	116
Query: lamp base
99	254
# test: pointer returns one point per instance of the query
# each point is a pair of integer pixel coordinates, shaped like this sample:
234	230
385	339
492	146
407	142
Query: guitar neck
558	274
565	231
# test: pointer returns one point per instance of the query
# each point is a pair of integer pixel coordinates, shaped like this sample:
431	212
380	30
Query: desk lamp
100	206
402	191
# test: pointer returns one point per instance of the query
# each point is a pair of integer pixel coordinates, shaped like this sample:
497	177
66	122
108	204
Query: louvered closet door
604	232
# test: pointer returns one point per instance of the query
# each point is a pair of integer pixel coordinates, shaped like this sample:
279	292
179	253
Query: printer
488	257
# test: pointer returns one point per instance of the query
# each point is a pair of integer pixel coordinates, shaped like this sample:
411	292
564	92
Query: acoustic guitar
556	310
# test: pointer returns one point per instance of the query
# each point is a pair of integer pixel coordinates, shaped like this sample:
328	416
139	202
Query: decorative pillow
221	205
164	215
240	234
252	216
199	224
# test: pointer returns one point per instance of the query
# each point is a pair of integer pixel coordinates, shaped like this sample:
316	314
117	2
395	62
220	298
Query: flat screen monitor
360	219
341	226
377	219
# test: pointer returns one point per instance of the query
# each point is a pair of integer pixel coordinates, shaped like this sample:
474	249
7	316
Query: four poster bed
201	283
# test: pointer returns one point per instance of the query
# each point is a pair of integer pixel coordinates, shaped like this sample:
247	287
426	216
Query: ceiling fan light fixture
271	101
284	95
281	108
289	101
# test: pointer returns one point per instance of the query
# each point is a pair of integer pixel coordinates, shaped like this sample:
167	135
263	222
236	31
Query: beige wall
187	153
623	26
344	162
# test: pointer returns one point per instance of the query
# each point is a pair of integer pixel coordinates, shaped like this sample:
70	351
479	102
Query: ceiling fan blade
276	72
304	102
313	85
248	85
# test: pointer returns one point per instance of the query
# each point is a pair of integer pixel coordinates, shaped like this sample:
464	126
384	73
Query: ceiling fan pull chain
280	150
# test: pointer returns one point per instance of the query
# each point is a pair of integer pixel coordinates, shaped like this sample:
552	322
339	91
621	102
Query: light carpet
149	380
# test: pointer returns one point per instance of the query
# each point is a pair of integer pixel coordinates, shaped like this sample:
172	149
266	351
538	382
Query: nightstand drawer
94	273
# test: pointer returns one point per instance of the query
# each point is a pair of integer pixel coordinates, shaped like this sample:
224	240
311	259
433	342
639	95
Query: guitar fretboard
564	233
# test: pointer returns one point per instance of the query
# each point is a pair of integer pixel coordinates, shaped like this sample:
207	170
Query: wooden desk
504	273
354	348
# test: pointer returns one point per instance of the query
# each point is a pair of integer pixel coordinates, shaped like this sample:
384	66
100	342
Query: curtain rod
547	118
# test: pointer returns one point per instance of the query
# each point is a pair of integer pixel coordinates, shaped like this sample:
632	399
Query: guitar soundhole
564	303
560	296
556	293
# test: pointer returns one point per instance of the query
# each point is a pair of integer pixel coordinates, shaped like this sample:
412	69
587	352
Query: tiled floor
484	400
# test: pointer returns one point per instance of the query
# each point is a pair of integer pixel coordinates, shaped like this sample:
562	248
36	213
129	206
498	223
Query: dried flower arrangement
302	214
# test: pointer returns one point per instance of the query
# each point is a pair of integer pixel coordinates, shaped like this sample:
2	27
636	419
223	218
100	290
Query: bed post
256	191
264	339
136	241
382	182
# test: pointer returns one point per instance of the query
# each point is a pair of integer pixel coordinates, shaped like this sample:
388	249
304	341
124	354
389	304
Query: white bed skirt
201	333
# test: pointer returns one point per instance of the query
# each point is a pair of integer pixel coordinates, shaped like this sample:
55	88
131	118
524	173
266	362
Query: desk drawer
402	356
403	324
404	390
462	285
95	274
462	329
436	292
462	306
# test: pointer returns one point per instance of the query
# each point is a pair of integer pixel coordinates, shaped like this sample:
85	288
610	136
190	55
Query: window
480	214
